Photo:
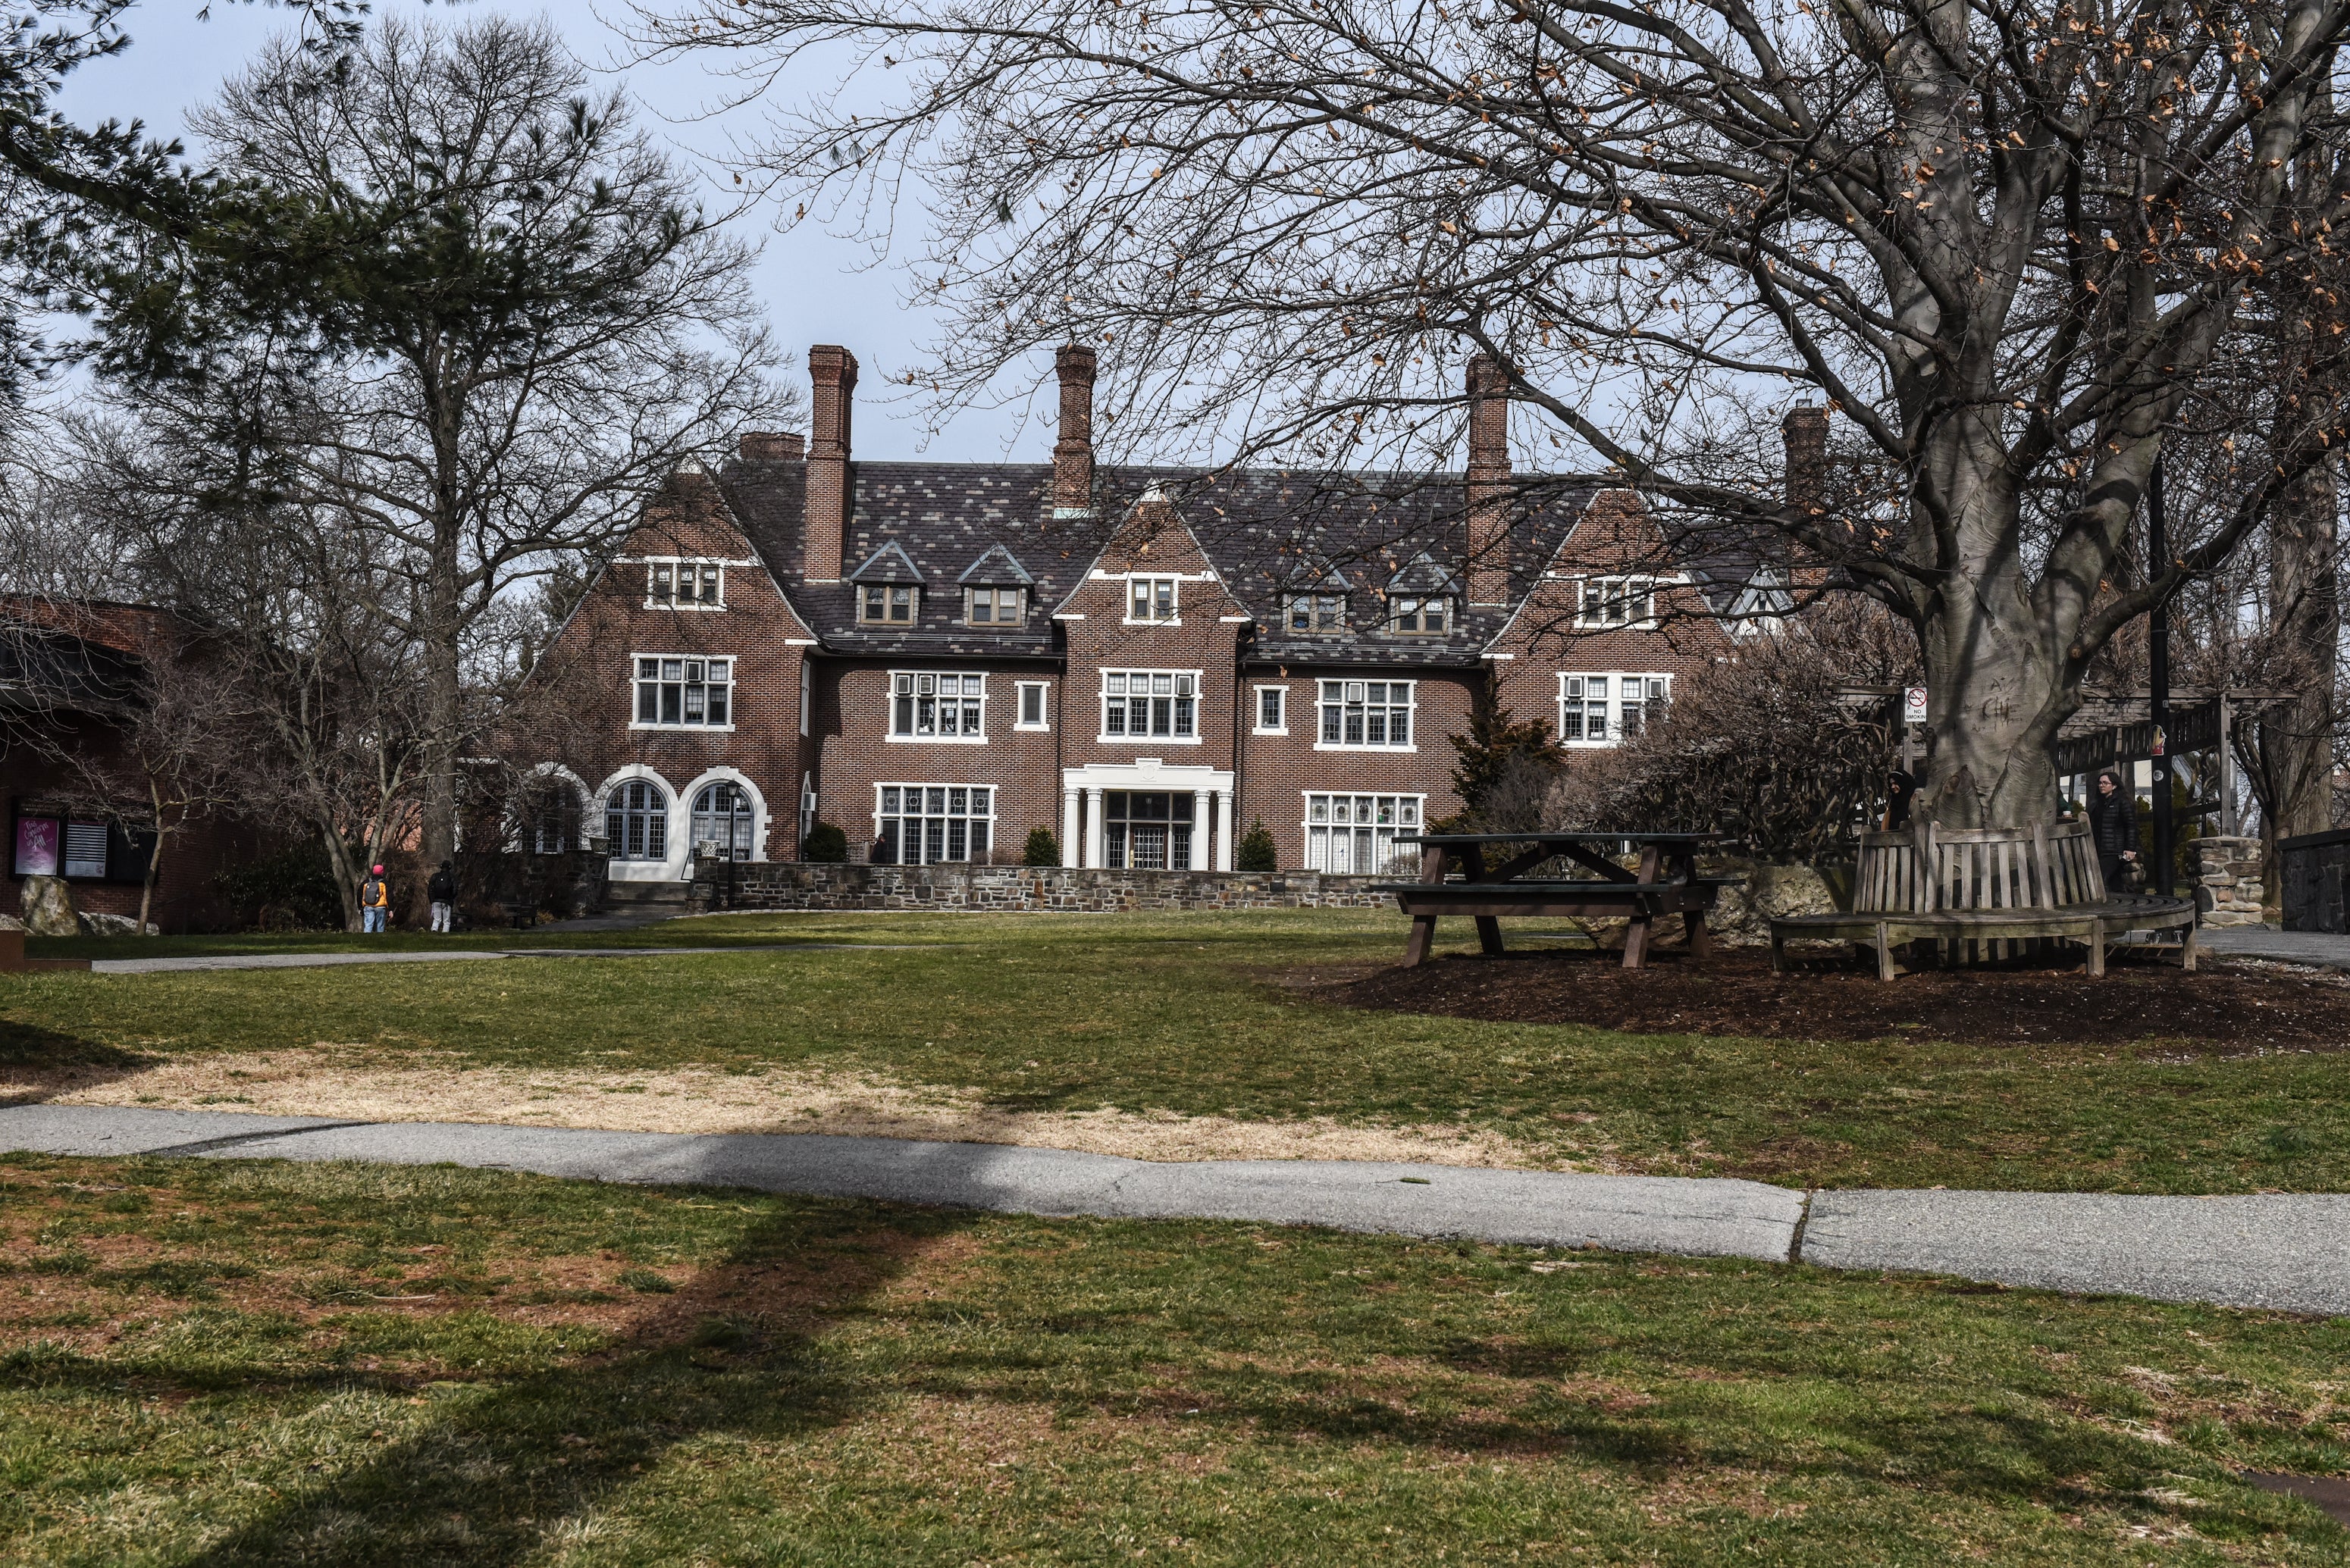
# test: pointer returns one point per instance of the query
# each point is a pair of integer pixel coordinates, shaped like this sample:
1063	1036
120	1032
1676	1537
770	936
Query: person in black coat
442	891
1900	789
2113	827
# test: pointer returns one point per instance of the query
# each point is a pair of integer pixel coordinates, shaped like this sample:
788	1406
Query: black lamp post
2158	561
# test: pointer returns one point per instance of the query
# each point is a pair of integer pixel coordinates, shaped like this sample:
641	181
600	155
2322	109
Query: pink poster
37	846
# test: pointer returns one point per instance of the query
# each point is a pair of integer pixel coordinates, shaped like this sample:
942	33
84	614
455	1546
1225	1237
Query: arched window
722	815
636	820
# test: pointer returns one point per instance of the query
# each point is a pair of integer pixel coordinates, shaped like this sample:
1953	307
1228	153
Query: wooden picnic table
1666	883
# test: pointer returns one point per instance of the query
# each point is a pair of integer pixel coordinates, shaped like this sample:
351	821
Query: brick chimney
1073	454
1805	432
1489	481
833	371
772	446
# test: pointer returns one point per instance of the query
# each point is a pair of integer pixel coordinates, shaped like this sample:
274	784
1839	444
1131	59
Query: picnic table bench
1665	883
1968	889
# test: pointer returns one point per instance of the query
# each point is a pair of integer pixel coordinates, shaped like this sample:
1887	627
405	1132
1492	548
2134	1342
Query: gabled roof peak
890	564
1424	574
997	568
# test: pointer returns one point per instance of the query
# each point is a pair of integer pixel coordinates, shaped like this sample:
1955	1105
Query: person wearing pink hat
375	902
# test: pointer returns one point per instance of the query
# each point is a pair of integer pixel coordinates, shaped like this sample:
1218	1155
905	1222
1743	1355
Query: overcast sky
815	288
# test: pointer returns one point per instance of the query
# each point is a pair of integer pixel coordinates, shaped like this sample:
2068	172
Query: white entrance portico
1145	815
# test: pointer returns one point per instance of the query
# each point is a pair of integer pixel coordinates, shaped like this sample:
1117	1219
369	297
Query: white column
1094	827
1223	830
1070	845
1199	809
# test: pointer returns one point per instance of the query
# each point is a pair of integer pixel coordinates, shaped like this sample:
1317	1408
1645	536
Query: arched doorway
636	820
722	814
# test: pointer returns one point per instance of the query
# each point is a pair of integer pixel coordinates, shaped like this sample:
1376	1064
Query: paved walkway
2319	948
323	960
2291	1252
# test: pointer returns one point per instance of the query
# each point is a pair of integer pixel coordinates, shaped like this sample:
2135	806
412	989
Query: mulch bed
1735	992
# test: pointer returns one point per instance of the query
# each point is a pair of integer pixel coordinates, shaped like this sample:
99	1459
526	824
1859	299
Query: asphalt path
2287	1252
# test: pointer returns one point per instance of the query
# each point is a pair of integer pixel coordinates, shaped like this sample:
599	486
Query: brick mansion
940	658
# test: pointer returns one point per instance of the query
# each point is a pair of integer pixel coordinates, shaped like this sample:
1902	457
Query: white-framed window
922	825
888	604
1033	712
1420	617
683	691
1355	834
1602	710
1146	830
1316	612
1365	715
673	582
995	606
1603	602
1150	598
635	821
1763	606
721	821
1272	710
1151	705
942	705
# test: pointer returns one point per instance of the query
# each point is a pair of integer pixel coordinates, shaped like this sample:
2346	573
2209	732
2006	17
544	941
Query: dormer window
995	606
888	604
671	583
1316	612
1418	617
1153	598
1605	602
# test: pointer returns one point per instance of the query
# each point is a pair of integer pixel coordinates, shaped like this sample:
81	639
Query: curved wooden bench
1985	887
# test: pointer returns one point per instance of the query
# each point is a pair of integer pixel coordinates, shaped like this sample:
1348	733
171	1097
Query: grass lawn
250	1363
1188	1013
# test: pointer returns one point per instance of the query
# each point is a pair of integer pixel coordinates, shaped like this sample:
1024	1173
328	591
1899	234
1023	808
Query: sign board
1913	705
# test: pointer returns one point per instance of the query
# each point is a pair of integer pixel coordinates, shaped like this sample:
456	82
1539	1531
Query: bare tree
538	327
2003	242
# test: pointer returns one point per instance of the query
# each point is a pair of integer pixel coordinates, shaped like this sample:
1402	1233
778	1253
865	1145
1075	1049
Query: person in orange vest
375	900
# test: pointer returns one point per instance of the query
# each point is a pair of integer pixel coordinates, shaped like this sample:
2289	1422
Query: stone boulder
49	908
1742	914
95	925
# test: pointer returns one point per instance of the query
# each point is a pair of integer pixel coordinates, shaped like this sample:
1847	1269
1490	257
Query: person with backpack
375	902
442	891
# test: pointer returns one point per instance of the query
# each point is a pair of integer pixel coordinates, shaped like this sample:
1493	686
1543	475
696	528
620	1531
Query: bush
1255	851
293	889
825	845
1043	848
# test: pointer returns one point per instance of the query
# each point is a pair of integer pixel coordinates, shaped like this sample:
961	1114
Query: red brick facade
865	576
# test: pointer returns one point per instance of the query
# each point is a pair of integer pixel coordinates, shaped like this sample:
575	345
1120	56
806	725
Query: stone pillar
2228	887
1200	810
1223	830
1070	845
1094	847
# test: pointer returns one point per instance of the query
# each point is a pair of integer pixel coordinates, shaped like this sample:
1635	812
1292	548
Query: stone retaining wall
2228	887
1023	888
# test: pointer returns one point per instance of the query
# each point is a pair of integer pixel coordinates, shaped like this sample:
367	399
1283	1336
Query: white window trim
1175	579
1306	824
1044	705
1616	678
1256	711
1322	745
1199	712
650	562
1584	598
1390	613
889	712
734	688
994	800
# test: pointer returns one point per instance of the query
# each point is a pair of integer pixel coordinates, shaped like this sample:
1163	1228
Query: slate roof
1267	532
